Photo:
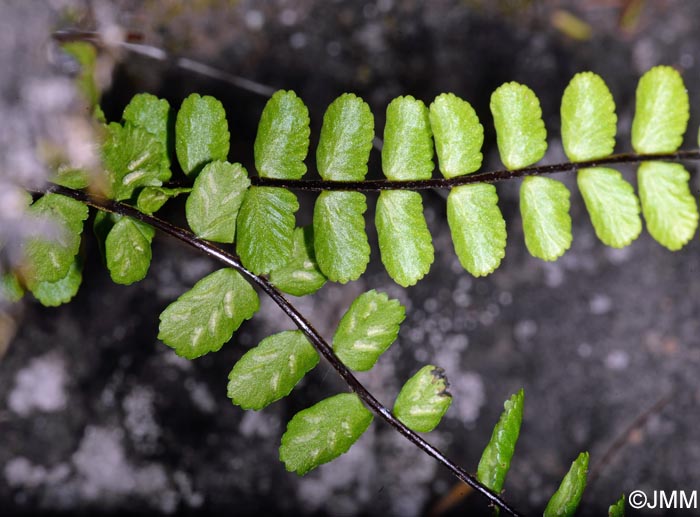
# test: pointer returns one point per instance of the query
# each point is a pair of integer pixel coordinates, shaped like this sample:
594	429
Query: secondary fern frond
261	222
265	218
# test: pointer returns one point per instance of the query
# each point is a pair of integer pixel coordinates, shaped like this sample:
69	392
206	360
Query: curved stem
299	320
479	177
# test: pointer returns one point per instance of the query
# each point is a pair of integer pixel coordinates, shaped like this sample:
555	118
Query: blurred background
98	417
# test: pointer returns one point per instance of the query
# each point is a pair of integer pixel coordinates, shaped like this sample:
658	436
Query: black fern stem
299	320
479	177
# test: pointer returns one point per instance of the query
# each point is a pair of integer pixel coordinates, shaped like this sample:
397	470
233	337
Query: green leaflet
346	139
10	288
152	114
612	205
407	153
405	242
520	132
282	141
340	241
567	497
669	207
269	371
301	275
152	199
53	294
477	227
128	250
661	114
50	258
217	194
458	134
86	55
588	120
323	432
205	317
70	178
423	400
201	133
617	509
265	228
133	158
544	206
367	330
495	460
